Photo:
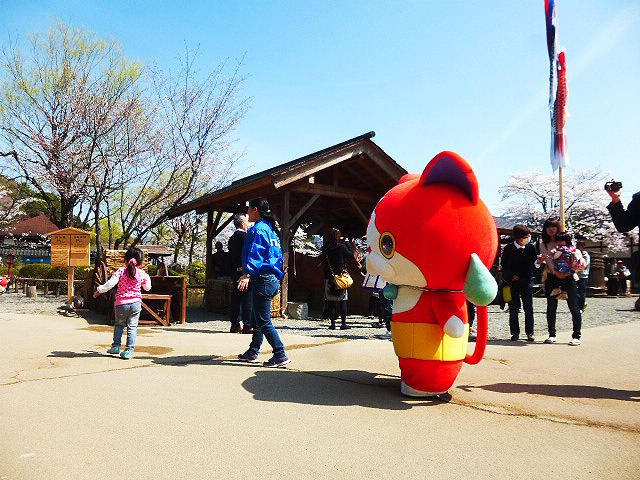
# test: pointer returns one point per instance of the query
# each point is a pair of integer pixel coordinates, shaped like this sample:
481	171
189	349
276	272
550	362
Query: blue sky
426	76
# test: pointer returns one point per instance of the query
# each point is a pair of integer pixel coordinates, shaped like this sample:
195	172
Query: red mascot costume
433	240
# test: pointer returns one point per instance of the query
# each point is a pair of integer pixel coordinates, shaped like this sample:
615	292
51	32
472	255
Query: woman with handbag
336	253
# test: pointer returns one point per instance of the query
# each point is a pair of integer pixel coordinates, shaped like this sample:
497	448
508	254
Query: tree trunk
192	246
98	233
109	225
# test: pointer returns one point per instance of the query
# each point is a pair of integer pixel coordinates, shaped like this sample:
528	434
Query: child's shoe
114	350
555	292
126	355
562	296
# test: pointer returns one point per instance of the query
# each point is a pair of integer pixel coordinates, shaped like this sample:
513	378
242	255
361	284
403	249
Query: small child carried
566	259
128	300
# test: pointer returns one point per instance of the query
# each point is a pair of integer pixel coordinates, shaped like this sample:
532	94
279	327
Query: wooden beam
357	208
331	191
212	225
218	230
373	155
320	163
285	241
301	212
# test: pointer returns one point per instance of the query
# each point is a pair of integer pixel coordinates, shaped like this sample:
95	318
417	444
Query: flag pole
561	182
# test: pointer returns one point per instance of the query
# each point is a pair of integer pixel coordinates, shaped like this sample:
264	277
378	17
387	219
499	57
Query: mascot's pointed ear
449	167
480	287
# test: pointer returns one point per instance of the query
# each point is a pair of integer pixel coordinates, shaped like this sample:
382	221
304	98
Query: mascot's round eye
387	244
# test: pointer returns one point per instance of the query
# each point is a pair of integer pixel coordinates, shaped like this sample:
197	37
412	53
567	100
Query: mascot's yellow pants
427	341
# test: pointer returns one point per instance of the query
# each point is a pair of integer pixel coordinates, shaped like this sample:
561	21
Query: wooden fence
47	285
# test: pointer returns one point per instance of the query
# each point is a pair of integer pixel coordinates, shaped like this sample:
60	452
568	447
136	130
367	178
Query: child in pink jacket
128	300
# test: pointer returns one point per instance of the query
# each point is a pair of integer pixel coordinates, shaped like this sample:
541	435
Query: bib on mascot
433	240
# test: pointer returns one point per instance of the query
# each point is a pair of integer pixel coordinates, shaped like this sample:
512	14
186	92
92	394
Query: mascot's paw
454	327
412	392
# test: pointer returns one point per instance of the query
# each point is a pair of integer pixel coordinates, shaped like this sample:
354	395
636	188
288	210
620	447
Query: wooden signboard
79	250
70	247
60	248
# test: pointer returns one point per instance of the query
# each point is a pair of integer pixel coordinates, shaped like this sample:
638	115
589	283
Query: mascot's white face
390	265
393	268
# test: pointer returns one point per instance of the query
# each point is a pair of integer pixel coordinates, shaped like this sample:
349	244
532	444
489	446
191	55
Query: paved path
183	408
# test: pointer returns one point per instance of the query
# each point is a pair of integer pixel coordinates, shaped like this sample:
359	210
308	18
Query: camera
612	186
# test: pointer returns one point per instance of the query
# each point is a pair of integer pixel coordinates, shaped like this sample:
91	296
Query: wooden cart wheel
99	274
101	304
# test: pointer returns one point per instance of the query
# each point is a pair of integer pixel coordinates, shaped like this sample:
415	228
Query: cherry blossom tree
194	116
62	102
532	198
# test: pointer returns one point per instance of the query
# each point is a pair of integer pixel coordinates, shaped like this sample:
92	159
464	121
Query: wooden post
207	258
285	241
562	219
209	240
70	287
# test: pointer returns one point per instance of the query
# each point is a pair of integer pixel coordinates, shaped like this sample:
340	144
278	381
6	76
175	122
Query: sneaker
530	338
563	296
276	362
126	355
555	292
575	341
515	338
248	357
385	336
114	350
550	340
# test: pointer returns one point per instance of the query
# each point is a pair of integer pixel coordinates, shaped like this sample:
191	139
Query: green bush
44	270
35	270
199	273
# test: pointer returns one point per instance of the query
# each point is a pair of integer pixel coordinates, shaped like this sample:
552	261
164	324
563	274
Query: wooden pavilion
335	187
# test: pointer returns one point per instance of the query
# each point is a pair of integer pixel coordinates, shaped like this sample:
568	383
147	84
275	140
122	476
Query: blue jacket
262	252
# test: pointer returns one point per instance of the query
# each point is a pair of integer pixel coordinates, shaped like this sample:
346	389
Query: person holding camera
624	220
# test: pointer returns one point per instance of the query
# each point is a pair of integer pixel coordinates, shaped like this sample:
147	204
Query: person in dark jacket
336	253
517	270
240	299
624	220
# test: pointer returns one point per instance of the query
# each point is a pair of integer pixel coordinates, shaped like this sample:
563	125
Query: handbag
341	281
506	293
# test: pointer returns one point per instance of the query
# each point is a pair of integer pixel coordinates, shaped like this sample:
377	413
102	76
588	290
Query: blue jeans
582	284
572	302
262	289
127	314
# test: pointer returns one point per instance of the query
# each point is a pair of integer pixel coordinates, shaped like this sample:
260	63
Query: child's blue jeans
127	314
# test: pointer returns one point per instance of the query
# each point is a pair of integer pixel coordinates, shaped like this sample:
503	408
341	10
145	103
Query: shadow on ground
339	388
560	391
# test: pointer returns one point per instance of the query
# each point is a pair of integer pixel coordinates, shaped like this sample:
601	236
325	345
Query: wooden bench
165	311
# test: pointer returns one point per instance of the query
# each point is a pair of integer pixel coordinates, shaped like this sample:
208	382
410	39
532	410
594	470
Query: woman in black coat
517	270
336	253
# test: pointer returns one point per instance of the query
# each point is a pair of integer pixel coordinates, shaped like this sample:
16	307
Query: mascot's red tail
481	338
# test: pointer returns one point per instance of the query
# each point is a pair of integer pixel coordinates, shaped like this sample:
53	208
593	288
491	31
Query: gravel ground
601	311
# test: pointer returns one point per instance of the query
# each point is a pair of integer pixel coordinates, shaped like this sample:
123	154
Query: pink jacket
128	288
